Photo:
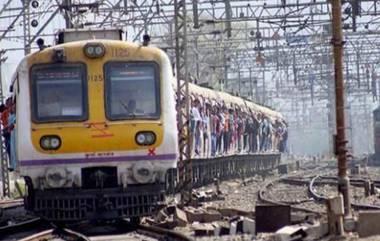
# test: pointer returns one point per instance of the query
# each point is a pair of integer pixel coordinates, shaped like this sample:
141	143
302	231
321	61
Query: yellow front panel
97	137
98	134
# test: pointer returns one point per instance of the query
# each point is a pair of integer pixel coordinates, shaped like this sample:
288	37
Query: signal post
340	141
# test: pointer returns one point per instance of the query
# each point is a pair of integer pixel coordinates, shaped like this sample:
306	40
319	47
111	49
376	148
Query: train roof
221	97
81	43
231	101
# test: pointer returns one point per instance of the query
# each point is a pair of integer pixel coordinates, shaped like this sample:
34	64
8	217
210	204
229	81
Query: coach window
132	90
59	92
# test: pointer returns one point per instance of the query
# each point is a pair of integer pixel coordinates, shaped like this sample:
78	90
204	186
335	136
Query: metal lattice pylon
3	152
26	26
184	162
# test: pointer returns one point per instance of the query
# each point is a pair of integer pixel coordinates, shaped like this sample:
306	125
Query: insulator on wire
374	89
228	17
367	78
356	7
195	14
35	4
34	23
374	85
126	6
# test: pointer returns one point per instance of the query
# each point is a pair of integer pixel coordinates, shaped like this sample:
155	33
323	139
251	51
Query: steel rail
162	233
11	203
262	190
223	168
355	182
64	233
261	196
321	198
44	235
20	227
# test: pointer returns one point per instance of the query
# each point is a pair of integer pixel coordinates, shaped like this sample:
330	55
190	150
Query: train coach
95	132
96	129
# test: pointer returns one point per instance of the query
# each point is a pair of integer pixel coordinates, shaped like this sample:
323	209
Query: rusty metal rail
124	230
325	181
10	203
20	226
204	172
54	234
322	198
329	180
38	229
162	234
262	198
265	187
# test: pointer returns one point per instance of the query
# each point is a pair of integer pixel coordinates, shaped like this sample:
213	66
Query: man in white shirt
195	117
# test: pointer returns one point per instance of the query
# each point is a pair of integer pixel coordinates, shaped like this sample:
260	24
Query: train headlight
94	50
140	139
56	177
59	55
145	138
143	172
51	142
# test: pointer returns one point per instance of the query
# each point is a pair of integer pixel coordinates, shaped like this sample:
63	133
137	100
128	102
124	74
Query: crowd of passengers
8	121
219	129
215	129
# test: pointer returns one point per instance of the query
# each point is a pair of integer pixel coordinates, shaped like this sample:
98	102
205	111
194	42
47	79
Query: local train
95	131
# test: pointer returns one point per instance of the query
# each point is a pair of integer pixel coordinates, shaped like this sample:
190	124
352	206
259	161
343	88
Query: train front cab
102	131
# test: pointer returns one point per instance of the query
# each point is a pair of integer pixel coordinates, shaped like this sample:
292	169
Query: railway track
307	183
33	228
265	190
11	203
56	234
40	230
23	229
10	209
204	172
322	198
16	223
262	197
162	234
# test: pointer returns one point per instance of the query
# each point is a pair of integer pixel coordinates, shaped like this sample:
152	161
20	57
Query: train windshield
132	90
59	92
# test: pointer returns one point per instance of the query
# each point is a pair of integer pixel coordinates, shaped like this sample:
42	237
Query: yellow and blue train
96	129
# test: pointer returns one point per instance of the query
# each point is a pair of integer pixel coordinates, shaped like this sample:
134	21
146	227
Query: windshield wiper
132	114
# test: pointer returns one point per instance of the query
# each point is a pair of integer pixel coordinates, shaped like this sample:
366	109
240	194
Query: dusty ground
244	197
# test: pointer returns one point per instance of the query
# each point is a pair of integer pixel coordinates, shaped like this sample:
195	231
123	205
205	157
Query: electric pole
185	173
340	141
3	152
